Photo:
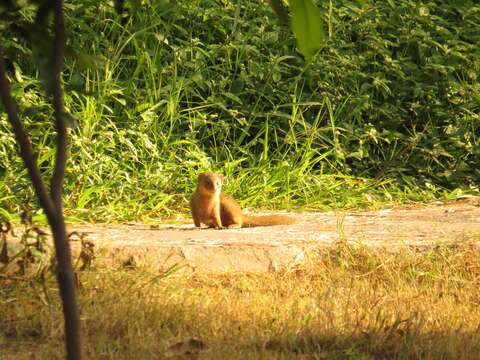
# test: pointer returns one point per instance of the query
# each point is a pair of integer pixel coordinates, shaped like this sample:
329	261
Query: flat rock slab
268	248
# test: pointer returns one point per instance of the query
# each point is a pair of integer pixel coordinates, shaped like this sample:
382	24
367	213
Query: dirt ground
161	246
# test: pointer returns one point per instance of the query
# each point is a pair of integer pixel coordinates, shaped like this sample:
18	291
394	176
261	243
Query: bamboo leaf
307	26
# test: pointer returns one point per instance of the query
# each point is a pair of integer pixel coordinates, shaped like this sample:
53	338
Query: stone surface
257	249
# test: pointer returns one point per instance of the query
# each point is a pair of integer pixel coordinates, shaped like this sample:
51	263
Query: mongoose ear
201	175
221	177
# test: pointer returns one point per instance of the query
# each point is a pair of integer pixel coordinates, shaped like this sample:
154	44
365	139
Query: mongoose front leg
195	215
217	220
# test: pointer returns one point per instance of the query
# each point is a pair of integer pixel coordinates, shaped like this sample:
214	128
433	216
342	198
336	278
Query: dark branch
280	10
51	202
23	141
54	215
66	276
56	186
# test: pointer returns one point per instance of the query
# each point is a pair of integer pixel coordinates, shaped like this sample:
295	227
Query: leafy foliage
181	87
410	71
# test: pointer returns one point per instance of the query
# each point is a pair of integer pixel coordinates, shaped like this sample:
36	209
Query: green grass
344	303
386	112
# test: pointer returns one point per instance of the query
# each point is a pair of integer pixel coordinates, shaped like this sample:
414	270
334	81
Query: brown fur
213	208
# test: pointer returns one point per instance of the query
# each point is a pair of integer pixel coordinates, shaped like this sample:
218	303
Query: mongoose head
210	182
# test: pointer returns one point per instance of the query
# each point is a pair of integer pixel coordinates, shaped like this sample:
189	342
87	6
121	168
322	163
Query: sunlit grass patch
345	303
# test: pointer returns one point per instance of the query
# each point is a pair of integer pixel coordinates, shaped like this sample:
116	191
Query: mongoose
210	206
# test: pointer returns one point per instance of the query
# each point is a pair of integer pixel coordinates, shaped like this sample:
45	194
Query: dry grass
346	303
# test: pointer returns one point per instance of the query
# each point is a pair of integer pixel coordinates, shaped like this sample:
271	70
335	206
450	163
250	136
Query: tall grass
386	111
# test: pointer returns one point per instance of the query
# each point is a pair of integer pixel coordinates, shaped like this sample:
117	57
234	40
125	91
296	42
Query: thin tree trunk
56	187
66	275
51	202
